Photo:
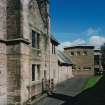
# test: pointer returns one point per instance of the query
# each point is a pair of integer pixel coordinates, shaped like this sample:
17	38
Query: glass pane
33	39
33	72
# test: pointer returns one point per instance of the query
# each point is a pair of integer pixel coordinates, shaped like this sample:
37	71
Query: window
45	73
78	52
35	39
33	72
72	53
38	40
87	68
53	49
38	72
96	59
79	68
84	53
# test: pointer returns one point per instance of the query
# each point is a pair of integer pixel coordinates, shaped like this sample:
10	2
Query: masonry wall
57	72
3	74
3	19
65	72
25	72
3	59
31	20
13	19
53	65
17	20
82	61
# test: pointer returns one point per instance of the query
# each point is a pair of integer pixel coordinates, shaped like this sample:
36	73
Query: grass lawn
90	82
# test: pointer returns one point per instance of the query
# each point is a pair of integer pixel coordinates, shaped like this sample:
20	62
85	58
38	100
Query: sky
78	21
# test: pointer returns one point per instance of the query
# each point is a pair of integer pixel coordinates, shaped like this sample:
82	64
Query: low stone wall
83	73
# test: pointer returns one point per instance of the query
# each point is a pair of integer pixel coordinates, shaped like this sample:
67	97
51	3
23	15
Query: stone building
60	64
23	42
27	51
82	57
65	66
97	62
53	60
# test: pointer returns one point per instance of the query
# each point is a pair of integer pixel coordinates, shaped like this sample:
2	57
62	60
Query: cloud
97	40
92	31
78	41
67	44
62	45
94	36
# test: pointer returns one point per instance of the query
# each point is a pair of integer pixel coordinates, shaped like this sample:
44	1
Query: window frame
53	48
72	53
36	72
35	39
85	53
33	72
78	53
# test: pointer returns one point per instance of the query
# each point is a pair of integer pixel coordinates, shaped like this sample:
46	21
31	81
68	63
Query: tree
103	55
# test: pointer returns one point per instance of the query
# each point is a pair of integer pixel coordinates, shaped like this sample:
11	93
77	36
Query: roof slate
63	58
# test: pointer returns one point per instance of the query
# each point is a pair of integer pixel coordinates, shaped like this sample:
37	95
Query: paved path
64	92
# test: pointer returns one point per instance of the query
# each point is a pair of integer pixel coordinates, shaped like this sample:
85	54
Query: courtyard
76	92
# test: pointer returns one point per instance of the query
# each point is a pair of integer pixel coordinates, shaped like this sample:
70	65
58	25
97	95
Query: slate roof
54	40
63	58
80	46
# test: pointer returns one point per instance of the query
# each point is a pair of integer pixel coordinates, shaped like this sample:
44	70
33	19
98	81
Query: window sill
36	51
33	83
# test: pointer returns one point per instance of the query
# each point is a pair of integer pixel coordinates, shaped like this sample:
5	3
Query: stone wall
31	20
65	72
3	74
81	61
3	58
13	19
13	73
25	71
17	20
3	19
13	51
53	65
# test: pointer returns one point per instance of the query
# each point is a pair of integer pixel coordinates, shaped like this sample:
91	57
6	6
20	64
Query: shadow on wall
91	96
